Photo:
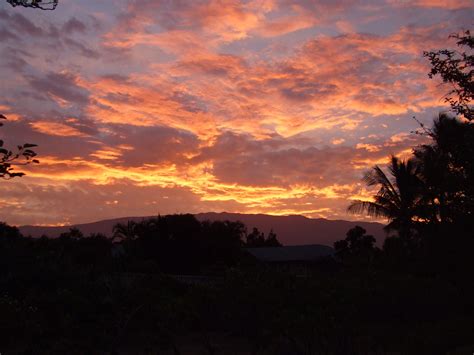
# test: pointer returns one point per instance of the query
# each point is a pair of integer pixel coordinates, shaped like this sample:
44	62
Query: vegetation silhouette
23	155
398	196
357	244
36	4
457	69
256	239
73	294
182	244
431	194
447	171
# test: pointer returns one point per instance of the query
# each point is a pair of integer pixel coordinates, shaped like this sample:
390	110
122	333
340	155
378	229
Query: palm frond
386	191
376	176
371	208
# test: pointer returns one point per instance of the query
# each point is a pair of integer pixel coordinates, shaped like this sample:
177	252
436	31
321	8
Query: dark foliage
36	4
74	295
180	243
433	189
447	171
24	155
357	245
398	196
256	239
457	69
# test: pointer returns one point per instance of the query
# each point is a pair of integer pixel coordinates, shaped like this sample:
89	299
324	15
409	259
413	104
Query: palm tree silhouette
125	231
447	169
398	198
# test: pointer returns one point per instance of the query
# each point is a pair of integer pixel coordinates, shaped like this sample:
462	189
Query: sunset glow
268	106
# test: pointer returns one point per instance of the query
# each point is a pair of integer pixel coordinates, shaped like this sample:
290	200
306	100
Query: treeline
181	243
78	295
171	244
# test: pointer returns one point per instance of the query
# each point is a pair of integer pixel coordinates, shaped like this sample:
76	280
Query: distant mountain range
290	230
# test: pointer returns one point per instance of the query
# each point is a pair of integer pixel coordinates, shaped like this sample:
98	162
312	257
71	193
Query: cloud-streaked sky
265	106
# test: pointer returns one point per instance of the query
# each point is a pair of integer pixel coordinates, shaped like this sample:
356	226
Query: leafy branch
23	155
456	68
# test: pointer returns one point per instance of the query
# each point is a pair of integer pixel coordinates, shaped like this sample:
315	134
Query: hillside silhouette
291	230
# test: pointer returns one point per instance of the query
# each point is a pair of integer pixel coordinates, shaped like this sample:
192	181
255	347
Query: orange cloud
56	129
445	4
251	106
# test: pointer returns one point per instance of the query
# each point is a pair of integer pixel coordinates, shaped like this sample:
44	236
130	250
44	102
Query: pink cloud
253	106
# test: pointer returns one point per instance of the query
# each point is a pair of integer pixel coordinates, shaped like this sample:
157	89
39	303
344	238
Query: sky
267	106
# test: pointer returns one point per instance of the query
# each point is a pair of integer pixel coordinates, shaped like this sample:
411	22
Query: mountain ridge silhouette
290	230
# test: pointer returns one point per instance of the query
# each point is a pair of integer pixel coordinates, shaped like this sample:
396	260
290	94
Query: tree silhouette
272	240
456	68
181	243
73	233
37	4
356	244
256	239
398	198
9	232
446	167
24	155
125	231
